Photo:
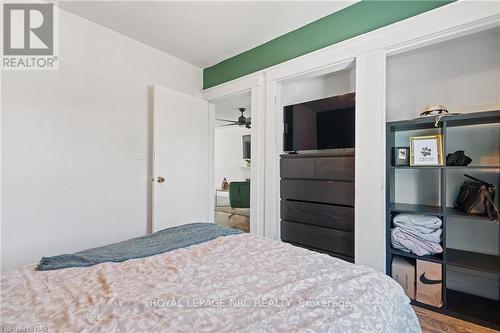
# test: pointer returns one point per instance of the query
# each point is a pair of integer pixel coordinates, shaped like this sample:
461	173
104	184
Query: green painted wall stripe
349	22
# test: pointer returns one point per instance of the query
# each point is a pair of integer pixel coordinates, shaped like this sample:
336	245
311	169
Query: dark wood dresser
317	202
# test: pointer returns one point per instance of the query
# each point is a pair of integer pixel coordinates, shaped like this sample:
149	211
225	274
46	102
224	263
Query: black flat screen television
322	124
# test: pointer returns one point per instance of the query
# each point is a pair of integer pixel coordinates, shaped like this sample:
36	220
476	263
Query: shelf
458	304
475	167
415	124
427	306
467	119
474	118
473	260
438	258
417	167
453	212
473	308
434	210
417	209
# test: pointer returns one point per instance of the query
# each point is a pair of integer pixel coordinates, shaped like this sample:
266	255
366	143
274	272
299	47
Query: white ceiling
203	33
227	108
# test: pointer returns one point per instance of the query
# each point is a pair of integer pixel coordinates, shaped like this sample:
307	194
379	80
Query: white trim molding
369	201
211	165
274	147
257	170
234	87
255	84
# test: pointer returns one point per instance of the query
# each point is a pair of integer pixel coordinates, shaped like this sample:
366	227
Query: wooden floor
433	322
233	218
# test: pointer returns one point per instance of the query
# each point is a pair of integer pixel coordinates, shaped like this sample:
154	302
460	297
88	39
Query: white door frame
274	136
455	20
255	84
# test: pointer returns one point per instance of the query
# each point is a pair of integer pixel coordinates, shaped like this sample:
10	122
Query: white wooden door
181	147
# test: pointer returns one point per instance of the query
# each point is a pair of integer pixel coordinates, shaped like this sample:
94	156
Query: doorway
251	92
233	161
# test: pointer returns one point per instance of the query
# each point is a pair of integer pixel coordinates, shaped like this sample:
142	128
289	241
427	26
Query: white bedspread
238	283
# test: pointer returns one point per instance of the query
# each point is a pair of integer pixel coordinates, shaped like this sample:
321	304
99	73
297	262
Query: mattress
236	283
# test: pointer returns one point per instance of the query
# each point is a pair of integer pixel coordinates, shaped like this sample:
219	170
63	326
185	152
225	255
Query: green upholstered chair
239	194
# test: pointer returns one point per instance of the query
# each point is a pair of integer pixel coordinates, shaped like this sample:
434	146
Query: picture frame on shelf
401	156
426	150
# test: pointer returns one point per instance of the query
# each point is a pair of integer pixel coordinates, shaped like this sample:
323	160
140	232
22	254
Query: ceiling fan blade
231	121
228	125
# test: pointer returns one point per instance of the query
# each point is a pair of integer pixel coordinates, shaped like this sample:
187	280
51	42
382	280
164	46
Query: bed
233	283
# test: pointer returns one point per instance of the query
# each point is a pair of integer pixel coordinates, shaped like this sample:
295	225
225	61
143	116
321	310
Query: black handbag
477	198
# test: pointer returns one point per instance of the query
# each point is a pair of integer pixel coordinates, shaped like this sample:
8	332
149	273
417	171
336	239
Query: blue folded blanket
162	241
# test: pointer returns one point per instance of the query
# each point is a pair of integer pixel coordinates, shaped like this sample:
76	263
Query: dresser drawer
326	168
327	216
297	168
336	241
335	168
330	192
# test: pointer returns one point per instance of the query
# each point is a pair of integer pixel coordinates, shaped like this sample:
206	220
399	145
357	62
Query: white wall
229	154
463	74
328	85
70	138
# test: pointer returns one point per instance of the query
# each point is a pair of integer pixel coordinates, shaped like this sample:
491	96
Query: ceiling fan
242	120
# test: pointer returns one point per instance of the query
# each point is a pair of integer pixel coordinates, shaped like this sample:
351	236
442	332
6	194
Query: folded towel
431	236
417	222
403	240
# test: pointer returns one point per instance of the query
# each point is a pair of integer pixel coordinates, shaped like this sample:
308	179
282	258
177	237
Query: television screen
246	147
322	124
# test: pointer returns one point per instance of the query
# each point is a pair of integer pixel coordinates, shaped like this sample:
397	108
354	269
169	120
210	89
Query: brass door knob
160	180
